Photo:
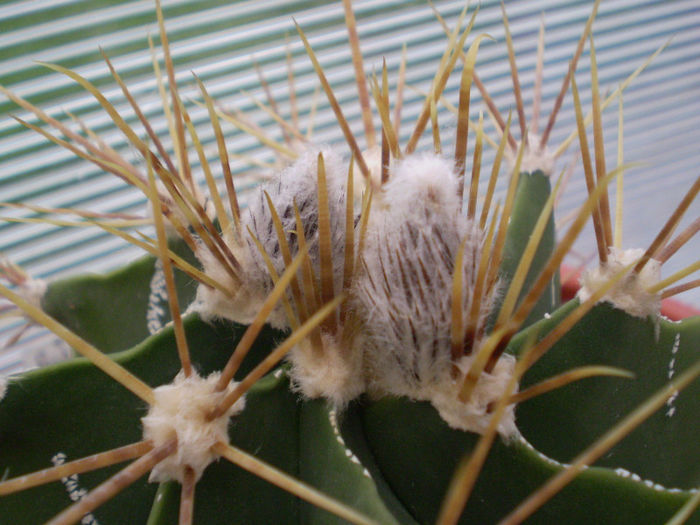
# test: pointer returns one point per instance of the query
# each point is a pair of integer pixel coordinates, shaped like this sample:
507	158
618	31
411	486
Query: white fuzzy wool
298	184
404	288
180	410
33	291
420	183
373	159
534	158
295	184
243	300
3	387
404	291
630	293
334	372
474	416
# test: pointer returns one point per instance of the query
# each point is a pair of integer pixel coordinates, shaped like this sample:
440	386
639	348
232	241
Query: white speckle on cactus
630	293
671	372
72	486
649	483
333	419
181	410
157	300
674	351
3	387
624	473
544	457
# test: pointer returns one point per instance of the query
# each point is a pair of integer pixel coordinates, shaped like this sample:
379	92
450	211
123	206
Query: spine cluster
394	335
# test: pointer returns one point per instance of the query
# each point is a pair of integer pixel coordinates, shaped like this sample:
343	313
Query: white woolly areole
243	302
475	416
33	291
335	373
180	411
3	387
534	158
630	293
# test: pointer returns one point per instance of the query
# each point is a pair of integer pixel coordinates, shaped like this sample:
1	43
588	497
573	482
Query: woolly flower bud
422	187
181	410
405	291
630	293
297	184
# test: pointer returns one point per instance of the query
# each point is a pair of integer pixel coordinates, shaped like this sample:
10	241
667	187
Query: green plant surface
327	461
562	423
165	504
417	453
408	451
110	311
533	191
75	409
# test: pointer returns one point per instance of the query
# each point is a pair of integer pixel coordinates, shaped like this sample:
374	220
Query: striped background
220	40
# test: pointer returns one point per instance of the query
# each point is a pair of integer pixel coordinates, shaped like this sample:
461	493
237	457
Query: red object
670	308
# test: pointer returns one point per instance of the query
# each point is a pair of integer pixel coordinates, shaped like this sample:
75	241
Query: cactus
401	357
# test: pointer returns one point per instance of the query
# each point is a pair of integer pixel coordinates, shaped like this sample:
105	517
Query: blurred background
221	41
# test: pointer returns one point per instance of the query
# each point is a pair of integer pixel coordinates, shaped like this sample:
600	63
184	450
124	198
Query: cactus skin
533	190
79	302
611	337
